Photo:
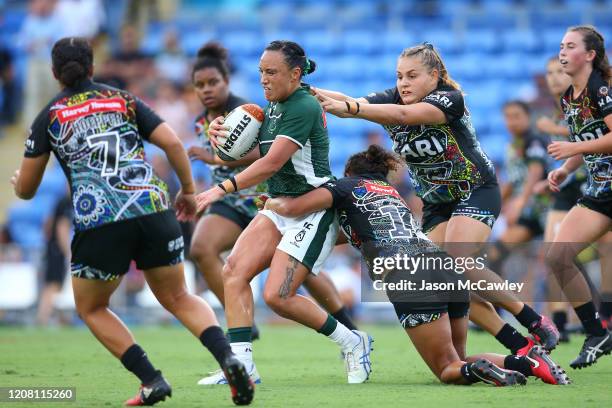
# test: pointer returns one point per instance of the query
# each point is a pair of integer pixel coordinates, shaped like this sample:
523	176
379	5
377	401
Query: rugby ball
243	132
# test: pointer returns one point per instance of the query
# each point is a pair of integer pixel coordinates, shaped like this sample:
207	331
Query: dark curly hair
294	56
375	160
212	55
72	60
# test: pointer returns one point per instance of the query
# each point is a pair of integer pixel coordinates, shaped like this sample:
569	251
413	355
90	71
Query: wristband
222	187
233	180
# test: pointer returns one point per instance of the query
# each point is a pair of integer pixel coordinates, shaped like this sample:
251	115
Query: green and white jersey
300	119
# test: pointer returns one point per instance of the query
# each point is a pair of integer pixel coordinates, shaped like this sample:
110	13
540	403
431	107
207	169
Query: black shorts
601	205
55	265
226	211
413	315
533	224
565	199
484	205
105	252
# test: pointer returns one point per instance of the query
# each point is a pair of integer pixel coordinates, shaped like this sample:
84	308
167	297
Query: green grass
299	368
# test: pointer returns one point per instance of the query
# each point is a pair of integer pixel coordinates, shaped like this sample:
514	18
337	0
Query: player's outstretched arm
386	114
339	96
315	200
262	169
27	179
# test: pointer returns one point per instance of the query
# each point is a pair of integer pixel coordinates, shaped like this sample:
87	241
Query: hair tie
307	66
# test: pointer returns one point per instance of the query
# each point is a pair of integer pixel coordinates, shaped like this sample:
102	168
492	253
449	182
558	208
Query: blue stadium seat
393	42
481	40
243	43
359	42
324	42
520	40
446	42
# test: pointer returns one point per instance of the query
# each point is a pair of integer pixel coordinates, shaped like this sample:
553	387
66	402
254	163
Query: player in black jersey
122	212
587	105
555	127
218	229
527	165
429	123
376	220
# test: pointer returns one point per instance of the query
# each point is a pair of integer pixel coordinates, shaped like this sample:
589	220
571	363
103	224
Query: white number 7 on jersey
110	150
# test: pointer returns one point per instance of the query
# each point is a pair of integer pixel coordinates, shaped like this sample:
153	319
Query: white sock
244	352
345	338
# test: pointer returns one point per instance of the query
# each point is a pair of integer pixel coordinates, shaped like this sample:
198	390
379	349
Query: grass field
299	369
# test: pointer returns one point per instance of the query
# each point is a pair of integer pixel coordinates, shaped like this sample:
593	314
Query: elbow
24	195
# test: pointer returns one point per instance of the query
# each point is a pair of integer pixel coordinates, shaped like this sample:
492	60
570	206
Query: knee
201	251
171	300
559	256
85	310
233	275
275	301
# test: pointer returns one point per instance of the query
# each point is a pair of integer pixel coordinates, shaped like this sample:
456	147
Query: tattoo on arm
285	288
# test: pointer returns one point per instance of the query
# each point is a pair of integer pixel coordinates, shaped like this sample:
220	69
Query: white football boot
218	377
357	360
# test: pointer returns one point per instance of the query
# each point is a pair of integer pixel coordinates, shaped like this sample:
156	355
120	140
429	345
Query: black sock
466	372
215	341
343	317
511	339
560	320
520	364
590	319
135	360
527	316
605	308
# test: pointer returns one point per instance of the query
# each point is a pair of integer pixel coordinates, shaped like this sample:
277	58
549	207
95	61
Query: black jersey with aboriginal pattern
445	162
523	151
96	132
585	115
374	217
244	201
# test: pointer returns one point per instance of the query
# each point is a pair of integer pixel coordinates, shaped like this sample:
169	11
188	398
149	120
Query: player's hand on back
217	129
186	206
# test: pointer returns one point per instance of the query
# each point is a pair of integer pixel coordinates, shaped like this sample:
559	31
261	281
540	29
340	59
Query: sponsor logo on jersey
603	90
427	146
380	189
439	98
90	107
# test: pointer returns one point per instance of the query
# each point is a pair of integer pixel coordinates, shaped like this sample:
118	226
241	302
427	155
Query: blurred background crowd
497	50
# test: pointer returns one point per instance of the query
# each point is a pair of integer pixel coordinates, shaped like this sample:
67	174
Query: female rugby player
294	146
377	221
587	105
426	117
218	229
122	211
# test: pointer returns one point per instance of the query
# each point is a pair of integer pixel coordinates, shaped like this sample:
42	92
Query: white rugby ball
243	123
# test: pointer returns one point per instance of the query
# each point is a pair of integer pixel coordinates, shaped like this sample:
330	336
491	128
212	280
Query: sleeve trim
292	139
